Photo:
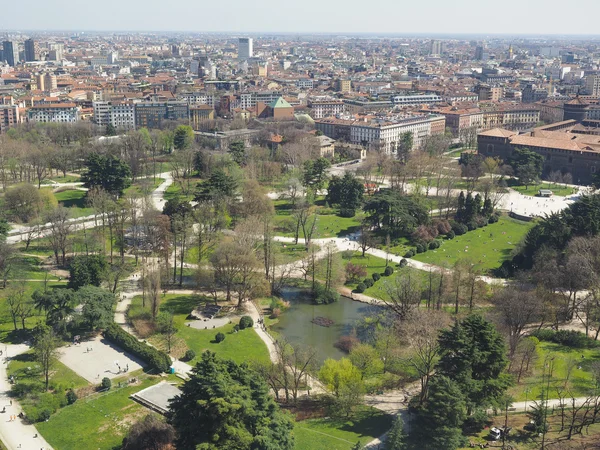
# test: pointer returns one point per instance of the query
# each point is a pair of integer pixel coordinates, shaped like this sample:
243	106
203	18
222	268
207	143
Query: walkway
16	434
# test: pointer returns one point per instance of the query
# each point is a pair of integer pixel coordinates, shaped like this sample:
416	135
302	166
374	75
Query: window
570	159
490	148
593	169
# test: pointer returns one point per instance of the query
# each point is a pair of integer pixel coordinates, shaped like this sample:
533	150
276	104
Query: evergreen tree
438	422
226	405
460	209
237	150
183	137
473	354
106	172
396	438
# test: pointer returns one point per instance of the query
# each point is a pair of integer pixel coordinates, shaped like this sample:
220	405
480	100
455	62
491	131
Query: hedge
154	358
388	271
568	338
360	288
368	282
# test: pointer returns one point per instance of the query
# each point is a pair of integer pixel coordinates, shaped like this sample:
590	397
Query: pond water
297	326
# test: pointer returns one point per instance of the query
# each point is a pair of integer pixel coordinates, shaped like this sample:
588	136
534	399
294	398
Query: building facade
153	114
59	113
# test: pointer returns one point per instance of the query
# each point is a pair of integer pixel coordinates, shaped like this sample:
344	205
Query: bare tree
59	231
404	295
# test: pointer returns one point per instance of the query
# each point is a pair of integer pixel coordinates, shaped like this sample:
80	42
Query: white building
120	115
415	100
61	113
197	98
325	108
592	85
245	50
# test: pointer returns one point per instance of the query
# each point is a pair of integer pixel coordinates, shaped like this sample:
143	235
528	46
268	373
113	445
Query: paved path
16	434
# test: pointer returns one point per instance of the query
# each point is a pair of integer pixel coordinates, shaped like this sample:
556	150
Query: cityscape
299	240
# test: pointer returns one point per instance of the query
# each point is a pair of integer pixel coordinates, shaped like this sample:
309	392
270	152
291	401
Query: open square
157	397
99	362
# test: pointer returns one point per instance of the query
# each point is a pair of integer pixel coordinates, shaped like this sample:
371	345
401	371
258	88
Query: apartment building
382	133
325	108
153	114
9	117
57	112
416	100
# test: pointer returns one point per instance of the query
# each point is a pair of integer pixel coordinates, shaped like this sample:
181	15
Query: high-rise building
592	85
435	48
112	57
10	49
31	50
56	51
245	50
481	53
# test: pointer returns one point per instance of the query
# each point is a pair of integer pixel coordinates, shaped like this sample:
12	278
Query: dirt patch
305	409
143	328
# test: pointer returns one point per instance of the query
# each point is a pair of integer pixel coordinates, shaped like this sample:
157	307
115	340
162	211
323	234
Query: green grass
30	268
330	434
580	382
244	346
557	189
74	200
487	247
144	185
97	423
67	179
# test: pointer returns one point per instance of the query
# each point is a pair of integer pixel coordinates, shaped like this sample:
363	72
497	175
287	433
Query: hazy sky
371	16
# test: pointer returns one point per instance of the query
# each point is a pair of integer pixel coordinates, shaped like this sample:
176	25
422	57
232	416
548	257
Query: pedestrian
127	368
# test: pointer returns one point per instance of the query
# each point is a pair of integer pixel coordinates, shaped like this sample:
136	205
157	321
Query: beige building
343	85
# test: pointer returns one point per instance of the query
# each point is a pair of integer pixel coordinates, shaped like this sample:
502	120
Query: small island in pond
322	321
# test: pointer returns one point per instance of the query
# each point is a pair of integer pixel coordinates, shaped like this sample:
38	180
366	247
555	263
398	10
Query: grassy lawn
60	179
330	434
144	185
30	268
244	346
75	201
487	247
580	381
557	189
99	422
328	225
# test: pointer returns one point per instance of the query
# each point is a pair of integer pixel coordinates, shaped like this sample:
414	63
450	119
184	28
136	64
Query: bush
189	354
481	221
421	248
246	322
450	235
493	218
476	422
347	254
355	271
568	338
154	358
443	227
360	288
472	225
220	337
434	244
347	212
368	282
322	296
106	383
376	276
409	254
403	262
345	343
71	397
388	271
459	228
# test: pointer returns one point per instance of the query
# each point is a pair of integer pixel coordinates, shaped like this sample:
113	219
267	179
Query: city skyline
467	17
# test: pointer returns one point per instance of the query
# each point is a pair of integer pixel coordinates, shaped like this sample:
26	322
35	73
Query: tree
151	433
439	421
97	311
473	354
45	349
226	405
338	374
366	359
58	304
87	270
15	300
404	294
59	230
346	192
237	150
183	137
515	308
527	165
7	262
396	437
108	173
314	174
405	146
166	325
365	238
395	214
219	186
110	130
23	202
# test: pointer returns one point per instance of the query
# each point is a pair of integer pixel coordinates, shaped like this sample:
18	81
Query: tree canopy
395	213
107	172
346	192
226	405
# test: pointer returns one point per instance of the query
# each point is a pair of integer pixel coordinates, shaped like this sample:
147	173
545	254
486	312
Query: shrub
345	343
347	254
355	271
376	276
459	228
275	313
443	227
481	221
472	225
189	354
322	296
424	233
403	262
220	337
71	397
368	282
450	234
476	422
434	244
493	218
421	248
409	254
246	322
347	212
360	288
106	383
388	271
154	358
568	338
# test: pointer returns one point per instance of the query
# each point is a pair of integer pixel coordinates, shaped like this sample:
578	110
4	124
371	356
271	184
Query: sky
306	16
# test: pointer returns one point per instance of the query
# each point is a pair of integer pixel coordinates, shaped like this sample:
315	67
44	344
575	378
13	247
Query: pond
297	325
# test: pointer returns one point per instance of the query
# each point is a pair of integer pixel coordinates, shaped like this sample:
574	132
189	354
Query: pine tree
396	438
